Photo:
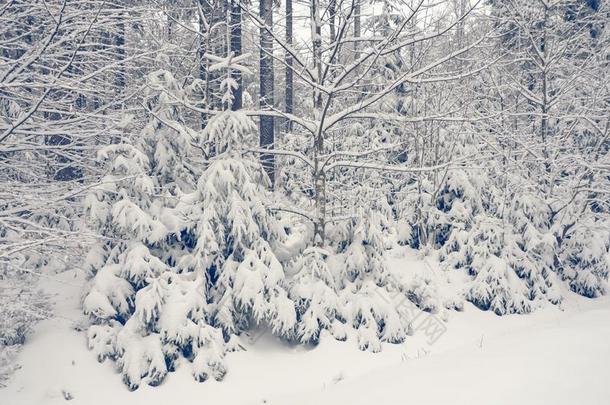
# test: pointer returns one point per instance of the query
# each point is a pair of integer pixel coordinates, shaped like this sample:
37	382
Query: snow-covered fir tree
189	263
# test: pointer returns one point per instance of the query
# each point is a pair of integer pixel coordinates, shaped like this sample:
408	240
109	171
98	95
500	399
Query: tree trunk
119	42
266	124
289	72
236	49
332	11
356	27
201	51
318	144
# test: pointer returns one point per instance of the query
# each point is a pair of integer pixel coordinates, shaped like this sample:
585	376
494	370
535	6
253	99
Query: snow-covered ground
553	356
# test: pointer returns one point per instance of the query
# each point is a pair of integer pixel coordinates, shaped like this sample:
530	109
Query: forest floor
553	356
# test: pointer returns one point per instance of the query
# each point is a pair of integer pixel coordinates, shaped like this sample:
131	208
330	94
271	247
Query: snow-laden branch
24	117
388	168
281	152
335	118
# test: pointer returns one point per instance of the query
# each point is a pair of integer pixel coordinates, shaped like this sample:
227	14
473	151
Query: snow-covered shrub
227	218
364	255
145	312
188	259
8	363
507	276
496	286
130	277
585	257
18	314
22	305
235	233
365	282
349	290
374	318
314	291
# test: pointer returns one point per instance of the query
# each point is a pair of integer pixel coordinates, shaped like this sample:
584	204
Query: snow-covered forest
198	174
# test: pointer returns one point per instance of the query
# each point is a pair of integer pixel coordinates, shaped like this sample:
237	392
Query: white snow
553	356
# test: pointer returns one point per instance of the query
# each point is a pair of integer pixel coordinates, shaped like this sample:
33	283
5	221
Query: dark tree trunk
236	49
357	27
119	42
289	72
266	127
201	51
332	10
